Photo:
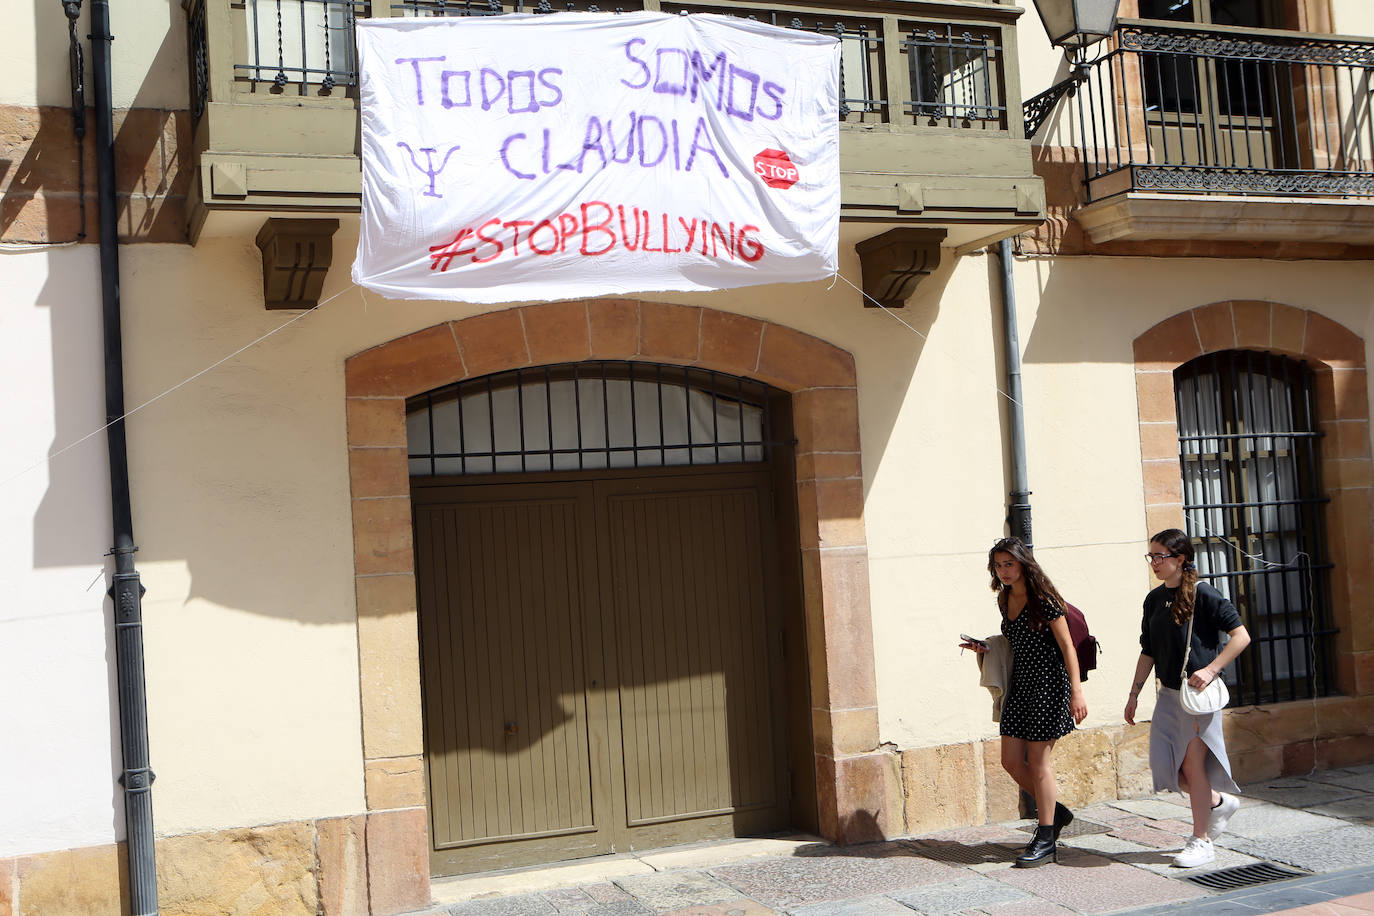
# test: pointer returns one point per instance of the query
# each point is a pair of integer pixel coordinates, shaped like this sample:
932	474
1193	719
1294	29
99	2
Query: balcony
1226	134
931	136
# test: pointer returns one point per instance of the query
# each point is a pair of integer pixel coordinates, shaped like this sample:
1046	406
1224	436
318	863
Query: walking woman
1187	752
1044	699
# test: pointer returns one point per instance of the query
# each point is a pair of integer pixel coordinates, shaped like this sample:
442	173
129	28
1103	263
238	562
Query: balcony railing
1223	111
954	76
929	103
948	75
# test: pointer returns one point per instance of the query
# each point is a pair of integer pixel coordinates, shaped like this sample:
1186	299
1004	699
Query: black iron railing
1208	110
955	76
198	53
498	8
305	44
305	48
861	48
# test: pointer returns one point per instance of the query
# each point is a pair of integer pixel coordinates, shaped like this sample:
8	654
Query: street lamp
1072	25
1077	23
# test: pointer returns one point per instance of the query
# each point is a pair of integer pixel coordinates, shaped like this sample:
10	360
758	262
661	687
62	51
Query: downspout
1018	502
126	591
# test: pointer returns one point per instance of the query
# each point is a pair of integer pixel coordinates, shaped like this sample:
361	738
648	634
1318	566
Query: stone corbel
894	262
296	254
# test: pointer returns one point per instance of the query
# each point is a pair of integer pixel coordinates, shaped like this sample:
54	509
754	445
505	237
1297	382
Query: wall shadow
899	351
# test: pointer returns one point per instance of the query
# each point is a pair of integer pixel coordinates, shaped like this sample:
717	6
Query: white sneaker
1221	815
1199	851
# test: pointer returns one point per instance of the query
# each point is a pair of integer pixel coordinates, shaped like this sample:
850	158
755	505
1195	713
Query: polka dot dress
1036	708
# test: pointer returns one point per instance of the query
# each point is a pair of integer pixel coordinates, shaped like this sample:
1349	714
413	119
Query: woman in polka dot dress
1045	697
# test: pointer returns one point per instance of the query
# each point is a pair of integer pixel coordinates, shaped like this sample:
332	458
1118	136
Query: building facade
435	588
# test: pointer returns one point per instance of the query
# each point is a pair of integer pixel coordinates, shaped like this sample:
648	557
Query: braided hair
1178	543
1040	590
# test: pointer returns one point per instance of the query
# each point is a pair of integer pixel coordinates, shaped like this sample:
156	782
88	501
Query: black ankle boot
1040	849
1063	817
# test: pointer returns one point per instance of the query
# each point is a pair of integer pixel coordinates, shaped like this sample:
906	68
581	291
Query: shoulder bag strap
1188	645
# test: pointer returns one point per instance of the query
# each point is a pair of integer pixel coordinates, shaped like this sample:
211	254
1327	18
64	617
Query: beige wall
1352	17
147	57
936	503
57	777
241	491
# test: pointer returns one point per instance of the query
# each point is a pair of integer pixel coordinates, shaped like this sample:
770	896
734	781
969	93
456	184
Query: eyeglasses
1159	557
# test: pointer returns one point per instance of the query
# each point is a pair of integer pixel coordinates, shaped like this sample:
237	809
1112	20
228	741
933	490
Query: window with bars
308	45
954	76
1250	454
861	51
588	416
305	44
1240	86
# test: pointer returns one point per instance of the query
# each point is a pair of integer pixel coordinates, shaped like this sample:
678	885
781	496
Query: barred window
589	416
1183	82
1250	453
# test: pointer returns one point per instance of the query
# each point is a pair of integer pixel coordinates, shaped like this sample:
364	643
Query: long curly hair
1041	593
1178	542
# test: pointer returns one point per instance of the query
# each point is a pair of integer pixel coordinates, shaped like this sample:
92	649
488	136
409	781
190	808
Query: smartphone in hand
973	642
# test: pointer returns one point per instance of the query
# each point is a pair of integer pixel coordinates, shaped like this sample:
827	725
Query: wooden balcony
932	134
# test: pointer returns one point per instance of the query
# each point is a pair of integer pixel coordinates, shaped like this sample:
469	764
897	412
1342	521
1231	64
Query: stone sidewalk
1114	858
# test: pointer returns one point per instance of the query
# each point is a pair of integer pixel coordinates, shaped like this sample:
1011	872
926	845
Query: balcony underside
978	189
1142	215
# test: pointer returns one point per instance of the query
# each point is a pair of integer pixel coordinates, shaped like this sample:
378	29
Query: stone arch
1338	355
854	798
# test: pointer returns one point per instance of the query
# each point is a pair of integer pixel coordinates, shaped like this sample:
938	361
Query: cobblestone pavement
1115	858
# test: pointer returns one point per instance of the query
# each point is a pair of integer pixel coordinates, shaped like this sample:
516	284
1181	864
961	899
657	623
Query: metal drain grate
1080	827
959	854
1228	879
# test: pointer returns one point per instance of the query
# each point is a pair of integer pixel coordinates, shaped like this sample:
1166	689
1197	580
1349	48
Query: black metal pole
1018	508
125	591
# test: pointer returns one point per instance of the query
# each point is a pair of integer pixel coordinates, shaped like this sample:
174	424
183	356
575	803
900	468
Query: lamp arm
1038	108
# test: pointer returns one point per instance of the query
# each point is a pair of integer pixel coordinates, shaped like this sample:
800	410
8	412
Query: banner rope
186	381
352	286
1303	560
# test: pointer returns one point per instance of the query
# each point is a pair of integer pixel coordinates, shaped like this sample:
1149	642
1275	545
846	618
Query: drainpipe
126	591
1018	503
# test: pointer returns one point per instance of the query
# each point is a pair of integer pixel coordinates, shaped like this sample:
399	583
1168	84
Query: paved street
1115	858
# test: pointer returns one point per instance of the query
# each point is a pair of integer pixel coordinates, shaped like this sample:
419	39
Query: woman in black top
1187	752
1045	697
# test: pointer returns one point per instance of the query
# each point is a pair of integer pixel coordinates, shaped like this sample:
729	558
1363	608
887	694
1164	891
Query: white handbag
1210	699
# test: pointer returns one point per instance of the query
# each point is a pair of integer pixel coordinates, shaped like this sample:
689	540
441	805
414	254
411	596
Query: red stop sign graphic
776	168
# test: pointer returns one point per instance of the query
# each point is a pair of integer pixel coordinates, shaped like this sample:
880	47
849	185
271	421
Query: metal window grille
587	416
307	44
199	54
462	8
954	77
1241	88
861	49
1250	454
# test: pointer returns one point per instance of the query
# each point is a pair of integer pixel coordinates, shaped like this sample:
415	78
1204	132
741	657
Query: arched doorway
604	610
857	797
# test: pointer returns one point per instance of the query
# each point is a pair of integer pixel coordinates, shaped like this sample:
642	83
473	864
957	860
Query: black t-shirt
1162	639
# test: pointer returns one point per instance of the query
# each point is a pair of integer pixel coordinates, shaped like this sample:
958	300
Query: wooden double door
602	663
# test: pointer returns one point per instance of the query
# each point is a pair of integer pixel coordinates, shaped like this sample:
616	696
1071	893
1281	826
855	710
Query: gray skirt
1171	730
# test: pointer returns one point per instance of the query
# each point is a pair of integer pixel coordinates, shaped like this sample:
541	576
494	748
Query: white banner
528	157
